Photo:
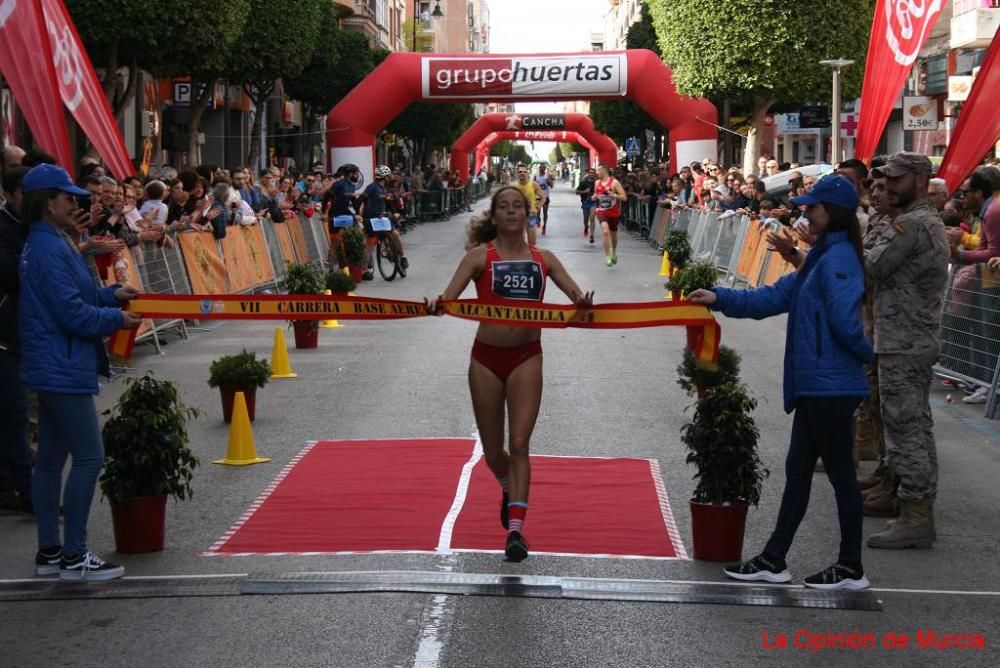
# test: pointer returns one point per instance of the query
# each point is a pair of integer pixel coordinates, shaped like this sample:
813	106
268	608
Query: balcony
344	8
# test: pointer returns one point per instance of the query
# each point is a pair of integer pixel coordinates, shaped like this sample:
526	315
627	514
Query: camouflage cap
902	163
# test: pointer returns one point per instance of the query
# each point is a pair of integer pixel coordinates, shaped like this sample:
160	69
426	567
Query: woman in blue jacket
824	381
64	317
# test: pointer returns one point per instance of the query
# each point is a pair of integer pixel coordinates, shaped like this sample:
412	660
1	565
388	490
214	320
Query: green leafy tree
166	38
319	83
285	46
762	53
621	119
512	151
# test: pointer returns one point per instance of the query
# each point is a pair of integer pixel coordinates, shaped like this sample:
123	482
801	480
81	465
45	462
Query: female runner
506	366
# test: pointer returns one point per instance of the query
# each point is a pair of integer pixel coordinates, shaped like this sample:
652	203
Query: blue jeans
67	425
15	457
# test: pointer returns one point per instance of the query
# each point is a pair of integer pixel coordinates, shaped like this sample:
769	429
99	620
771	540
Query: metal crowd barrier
970	331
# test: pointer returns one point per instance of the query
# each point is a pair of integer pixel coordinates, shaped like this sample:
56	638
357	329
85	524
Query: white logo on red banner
907	25
527	77
66	59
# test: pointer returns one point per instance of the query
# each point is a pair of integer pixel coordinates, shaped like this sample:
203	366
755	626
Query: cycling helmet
382	172
347	168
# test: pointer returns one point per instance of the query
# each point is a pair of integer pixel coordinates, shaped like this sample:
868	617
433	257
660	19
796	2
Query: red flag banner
899	30
33	79
81	91
978	123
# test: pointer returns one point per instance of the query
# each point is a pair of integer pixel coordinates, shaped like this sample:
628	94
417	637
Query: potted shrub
304	279
684	281
721	440
354	252
339	283
238	373
146	459
696	379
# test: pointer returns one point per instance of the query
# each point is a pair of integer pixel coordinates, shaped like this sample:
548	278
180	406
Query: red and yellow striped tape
518	314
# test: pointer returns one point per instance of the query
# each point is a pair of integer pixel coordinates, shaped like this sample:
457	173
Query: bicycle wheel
386	258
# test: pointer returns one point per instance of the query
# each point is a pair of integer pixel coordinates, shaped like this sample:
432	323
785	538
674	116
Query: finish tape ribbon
704	331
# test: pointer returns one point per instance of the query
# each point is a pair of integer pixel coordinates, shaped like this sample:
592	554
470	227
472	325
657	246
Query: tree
621	119
284	47
512	151
321	81
556	155
762	53
164	37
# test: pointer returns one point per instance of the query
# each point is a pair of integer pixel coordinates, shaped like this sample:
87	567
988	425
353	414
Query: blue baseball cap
50	177
832	189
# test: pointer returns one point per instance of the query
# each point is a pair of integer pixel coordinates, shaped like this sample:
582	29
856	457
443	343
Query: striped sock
516	510
504	481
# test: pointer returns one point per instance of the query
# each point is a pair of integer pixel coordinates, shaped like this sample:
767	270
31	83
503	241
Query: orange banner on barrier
751	241
298	238
205	268
285	242
517	314
258	261
236	257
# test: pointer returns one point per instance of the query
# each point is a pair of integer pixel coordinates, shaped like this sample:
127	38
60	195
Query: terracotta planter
718	531
306	333
356	273
675	295
228	393
139	524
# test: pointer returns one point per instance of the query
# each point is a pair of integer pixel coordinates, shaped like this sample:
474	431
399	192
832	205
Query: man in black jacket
15	458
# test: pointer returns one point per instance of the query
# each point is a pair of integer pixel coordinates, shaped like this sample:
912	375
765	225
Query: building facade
620	17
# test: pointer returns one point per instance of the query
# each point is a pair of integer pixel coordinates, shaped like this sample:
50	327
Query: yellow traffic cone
665	265
329	324
241	450
280	366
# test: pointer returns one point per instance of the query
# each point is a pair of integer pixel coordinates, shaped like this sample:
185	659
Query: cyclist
338	203
375	202
533	194
545	184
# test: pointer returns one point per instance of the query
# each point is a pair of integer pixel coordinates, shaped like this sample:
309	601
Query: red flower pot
356	274
139	524
718	531
306	333
228	393
675	296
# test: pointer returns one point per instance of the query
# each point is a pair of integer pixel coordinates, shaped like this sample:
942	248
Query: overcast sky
544	26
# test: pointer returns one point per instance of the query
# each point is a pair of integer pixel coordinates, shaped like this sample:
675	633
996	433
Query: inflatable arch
404	78
542	127
606	151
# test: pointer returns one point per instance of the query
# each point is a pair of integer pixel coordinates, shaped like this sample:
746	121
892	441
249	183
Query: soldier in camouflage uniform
908	270
879	490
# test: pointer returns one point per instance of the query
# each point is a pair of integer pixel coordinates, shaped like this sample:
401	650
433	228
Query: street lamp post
836	64
437	13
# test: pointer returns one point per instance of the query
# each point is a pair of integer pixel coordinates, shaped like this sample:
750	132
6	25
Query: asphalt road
607	393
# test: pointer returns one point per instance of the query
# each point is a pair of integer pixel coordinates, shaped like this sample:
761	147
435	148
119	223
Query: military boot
881	504
883	485
914	528
880	476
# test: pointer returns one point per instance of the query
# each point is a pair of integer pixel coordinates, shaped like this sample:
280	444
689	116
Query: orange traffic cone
280	366
665	265
241	450
329	324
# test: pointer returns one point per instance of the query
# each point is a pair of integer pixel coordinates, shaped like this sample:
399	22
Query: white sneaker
980	396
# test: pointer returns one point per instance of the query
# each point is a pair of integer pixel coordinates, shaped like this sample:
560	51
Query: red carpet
355	496
404	496
578	505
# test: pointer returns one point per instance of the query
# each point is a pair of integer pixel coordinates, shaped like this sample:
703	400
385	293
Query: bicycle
384	253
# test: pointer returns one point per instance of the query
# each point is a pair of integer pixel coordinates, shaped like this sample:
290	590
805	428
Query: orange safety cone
665	265
241	450
329	324
280	366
